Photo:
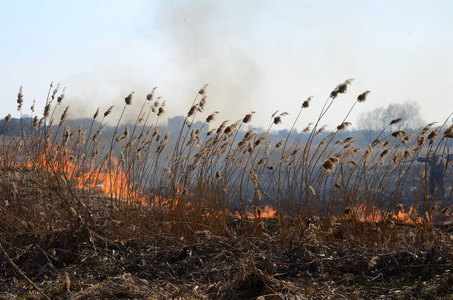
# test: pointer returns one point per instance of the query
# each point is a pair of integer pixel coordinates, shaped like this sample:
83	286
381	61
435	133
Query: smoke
189	44
208	47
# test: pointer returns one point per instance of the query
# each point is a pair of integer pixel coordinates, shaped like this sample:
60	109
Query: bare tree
378	118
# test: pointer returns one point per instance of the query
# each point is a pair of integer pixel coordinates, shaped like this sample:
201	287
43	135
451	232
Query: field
135	211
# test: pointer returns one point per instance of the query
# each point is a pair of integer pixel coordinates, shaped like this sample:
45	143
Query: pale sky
258	56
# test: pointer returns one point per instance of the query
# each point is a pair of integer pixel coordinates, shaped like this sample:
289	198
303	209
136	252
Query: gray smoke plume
198	42
205	42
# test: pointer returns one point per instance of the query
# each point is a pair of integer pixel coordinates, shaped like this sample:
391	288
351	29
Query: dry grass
222	213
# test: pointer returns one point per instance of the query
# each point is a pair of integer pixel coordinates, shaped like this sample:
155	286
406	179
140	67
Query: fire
265	213
158	200
410	217
110	178
107	177
259	213
372	214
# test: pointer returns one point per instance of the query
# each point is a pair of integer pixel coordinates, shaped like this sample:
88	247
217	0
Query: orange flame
107	177
372	214
409	217
265	213
110	179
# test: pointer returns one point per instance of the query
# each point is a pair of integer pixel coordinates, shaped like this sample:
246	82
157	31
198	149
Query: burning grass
222	213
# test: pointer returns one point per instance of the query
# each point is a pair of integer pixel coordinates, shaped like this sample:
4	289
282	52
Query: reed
140	179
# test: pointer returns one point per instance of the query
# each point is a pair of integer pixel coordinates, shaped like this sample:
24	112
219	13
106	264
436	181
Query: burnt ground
334	265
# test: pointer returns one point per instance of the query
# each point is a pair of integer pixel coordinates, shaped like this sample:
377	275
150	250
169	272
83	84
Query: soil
66	265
